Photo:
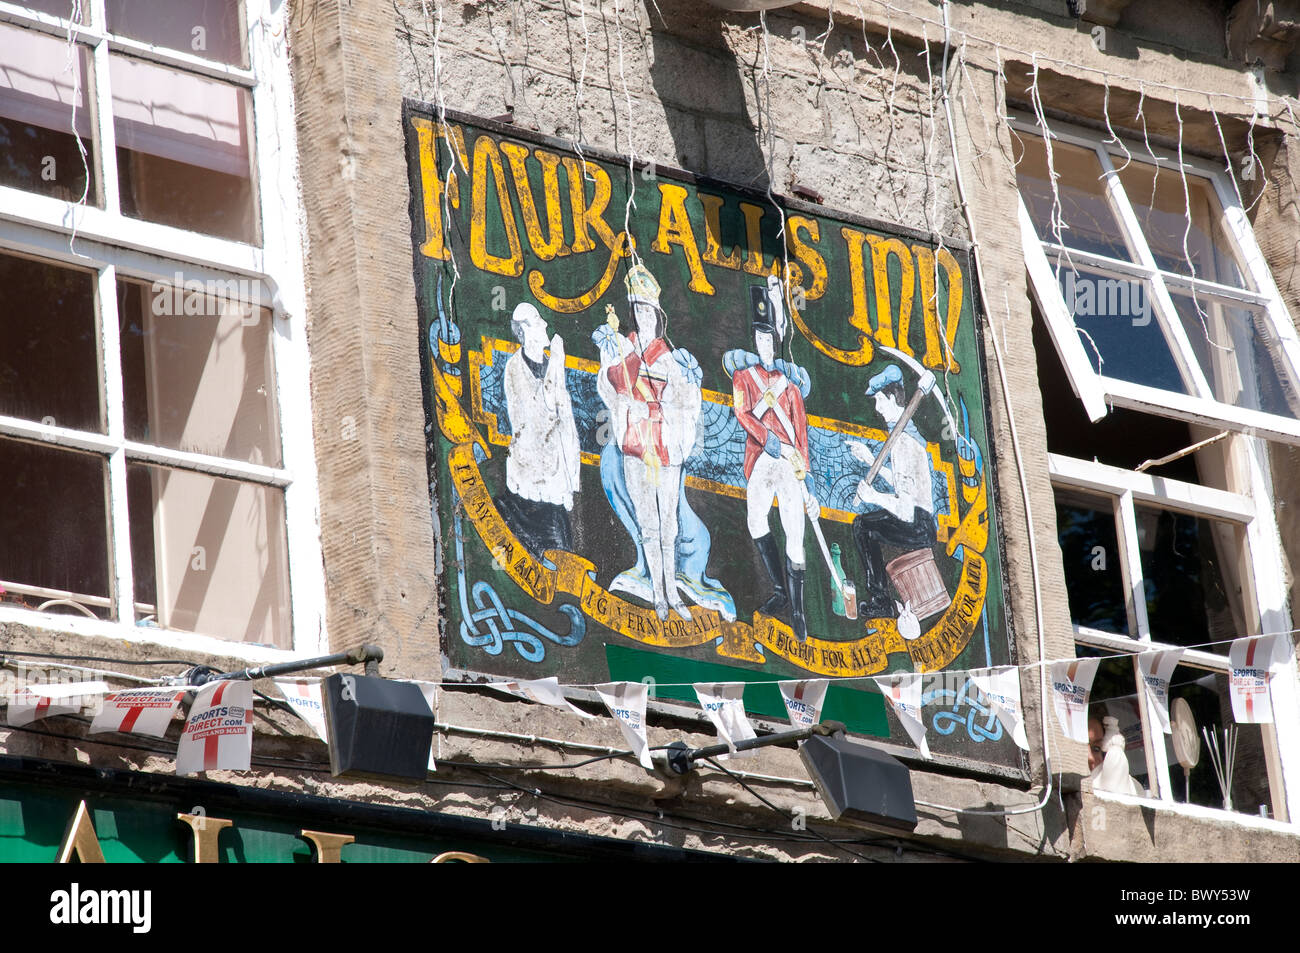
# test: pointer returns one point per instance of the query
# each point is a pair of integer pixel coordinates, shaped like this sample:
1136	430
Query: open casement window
159	472
1154	292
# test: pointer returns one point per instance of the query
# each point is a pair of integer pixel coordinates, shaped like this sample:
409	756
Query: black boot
876	604
796	602
772	562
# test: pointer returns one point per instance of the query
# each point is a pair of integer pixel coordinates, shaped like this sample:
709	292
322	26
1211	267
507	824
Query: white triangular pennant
544	691
304	697
1002	688
138	711
903	689
1071	686
430	692
724	703
626	701
1252	664
26	707
1157	668
219	730
803	700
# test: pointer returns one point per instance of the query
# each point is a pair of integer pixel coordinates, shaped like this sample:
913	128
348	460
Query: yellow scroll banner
575	576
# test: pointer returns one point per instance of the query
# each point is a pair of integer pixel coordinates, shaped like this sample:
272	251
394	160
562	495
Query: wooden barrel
917	579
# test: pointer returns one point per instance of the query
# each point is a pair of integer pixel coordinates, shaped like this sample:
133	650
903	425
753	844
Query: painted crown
641	286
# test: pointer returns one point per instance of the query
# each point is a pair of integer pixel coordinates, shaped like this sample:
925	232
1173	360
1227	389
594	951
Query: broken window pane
183	153
1117	326
49	364
1094	580
1087	221
1238	353
54	529
38	150
209	28
217	551
1190	571
1183	226
197	369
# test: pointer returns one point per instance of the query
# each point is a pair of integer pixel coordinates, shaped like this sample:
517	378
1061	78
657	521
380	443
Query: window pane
1238	353
38	151
1168	215
53	529
217	552
1114	696
183	156
1118	329
58	8
1094	581
1206	695
1088	222
197	369
1189	569
49	364
208	28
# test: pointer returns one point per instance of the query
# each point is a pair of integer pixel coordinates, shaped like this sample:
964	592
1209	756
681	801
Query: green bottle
837	596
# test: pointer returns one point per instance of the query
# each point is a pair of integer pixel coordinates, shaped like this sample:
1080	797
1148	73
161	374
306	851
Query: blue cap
890	375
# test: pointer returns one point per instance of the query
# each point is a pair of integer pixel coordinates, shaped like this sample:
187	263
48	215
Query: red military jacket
645	381
781	413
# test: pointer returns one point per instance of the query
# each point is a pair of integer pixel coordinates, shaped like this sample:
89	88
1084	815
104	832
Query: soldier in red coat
768	399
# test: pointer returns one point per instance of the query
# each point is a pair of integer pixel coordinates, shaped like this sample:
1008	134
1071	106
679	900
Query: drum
916	577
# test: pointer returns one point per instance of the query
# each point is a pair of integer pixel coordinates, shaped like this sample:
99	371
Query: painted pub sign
684	432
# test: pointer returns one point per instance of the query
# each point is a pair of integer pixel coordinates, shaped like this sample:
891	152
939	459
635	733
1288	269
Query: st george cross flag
26	707
219	731
904	692
1156	669
1071	686
1002	688
544	691
803	700
138	711
724	703
303	696
1251	663
626	702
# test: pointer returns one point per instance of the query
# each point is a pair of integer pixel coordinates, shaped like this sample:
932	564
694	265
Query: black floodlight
376	727
859	784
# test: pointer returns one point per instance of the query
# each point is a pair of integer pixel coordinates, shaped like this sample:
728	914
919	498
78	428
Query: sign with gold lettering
680	431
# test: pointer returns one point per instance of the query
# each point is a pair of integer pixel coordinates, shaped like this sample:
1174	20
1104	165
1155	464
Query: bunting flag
724	703
26	707
430	692
138	711
1156	669
1001	686
803	700
544	691
904	693
1251	667
626	701
1071	686
219	731
56	690
303	696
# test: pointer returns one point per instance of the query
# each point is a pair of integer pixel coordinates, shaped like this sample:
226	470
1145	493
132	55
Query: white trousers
655	505
774	478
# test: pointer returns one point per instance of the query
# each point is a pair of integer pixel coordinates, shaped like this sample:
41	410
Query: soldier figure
768	397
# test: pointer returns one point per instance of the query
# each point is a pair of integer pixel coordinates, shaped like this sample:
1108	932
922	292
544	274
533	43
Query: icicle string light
74	23
1105	111
768	132
441	103
631	146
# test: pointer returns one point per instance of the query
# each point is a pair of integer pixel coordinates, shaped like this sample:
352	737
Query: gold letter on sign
486	154
329	847
81	840
206	832
675	229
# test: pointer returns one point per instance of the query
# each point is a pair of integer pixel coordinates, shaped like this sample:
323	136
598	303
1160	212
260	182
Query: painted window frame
1265	597
114	246
1098	392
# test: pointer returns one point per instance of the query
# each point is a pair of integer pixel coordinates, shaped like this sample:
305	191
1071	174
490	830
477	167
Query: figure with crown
652	393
